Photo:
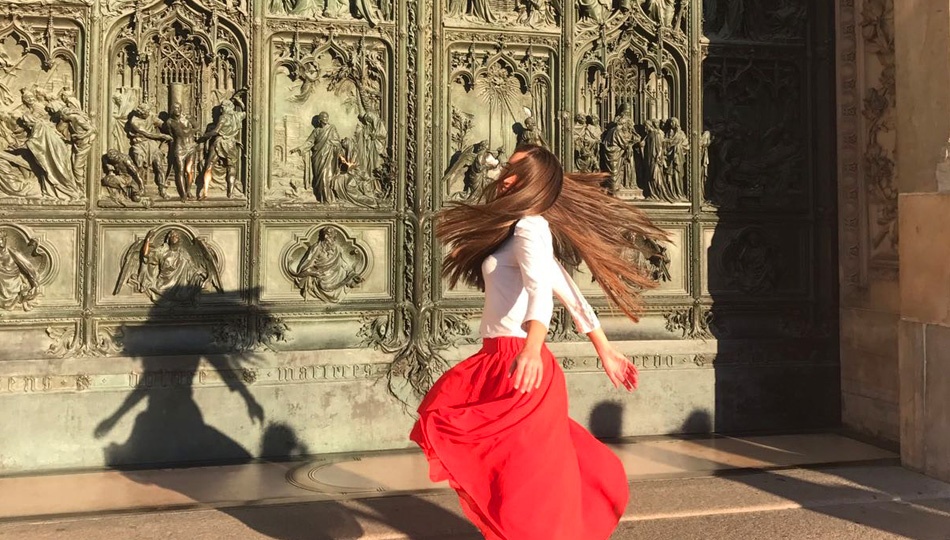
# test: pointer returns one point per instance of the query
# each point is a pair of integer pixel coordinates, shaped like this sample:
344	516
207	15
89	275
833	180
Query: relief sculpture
663	14
653	257
529	13
224	149
633	86
765	21
341	158
752	261
620	144
45	134
373	12
326	263
500	99
471	168
177	76
170	265
24	266
587	137
752	110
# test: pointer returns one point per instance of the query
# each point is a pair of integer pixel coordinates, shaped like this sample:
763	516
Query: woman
496	426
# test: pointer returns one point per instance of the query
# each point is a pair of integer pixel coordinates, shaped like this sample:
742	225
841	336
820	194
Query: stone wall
922	32
868	239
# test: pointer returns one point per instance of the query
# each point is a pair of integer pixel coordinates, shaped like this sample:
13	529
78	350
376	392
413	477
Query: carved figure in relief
80	129
651	256
620	144
681	14
731	20
596	10
370	10
309	75
455	8
753	261
146	146
370	143
330	266
530	133
16	175
472	166
593	135
323	165
336	9
535	12
661	11
49	151
19	279
654	154
677	145
477	9
586	156
182	150
121	177
8	70
323	8
224	145
175	271
705	141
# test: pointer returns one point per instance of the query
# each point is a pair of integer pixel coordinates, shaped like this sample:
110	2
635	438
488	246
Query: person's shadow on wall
172	429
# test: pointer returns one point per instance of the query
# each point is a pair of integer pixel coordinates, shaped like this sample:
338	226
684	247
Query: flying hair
587	224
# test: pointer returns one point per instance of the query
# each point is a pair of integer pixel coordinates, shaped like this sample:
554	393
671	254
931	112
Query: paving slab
347	476
858	502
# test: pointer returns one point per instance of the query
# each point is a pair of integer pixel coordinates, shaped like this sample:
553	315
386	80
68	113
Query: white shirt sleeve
534	252
585	320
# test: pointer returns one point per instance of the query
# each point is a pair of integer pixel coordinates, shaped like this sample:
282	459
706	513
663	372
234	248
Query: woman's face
510	179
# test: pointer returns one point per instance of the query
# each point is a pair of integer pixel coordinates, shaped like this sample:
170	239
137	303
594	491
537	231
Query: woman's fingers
527	376
519	373
631	376
614	378
531	378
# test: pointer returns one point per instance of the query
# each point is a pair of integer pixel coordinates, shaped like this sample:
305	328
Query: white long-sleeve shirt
521	279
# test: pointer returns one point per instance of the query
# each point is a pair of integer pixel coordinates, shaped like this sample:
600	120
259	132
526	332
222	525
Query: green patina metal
207	195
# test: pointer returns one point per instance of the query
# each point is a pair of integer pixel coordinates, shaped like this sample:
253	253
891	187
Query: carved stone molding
877	31
851	213
866	143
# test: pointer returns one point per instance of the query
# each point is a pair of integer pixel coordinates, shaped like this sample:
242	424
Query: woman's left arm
618	368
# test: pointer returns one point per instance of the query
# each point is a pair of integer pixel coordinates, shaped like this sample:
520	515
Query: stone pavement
860	502
801	495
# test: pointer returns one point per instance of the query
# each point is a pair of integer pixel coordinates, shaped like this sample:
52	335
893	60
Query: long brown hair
586	223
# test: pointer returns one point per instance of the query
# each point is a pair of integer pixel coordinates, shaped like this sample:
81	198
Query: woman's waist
502	344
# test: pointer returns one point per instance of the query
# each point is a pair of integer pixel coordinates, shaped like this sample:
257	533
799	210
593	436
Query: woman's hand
527	370
619	369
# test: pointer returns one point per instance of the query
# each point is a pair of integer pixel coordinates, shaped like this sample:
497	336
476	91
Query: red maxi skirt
522	468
